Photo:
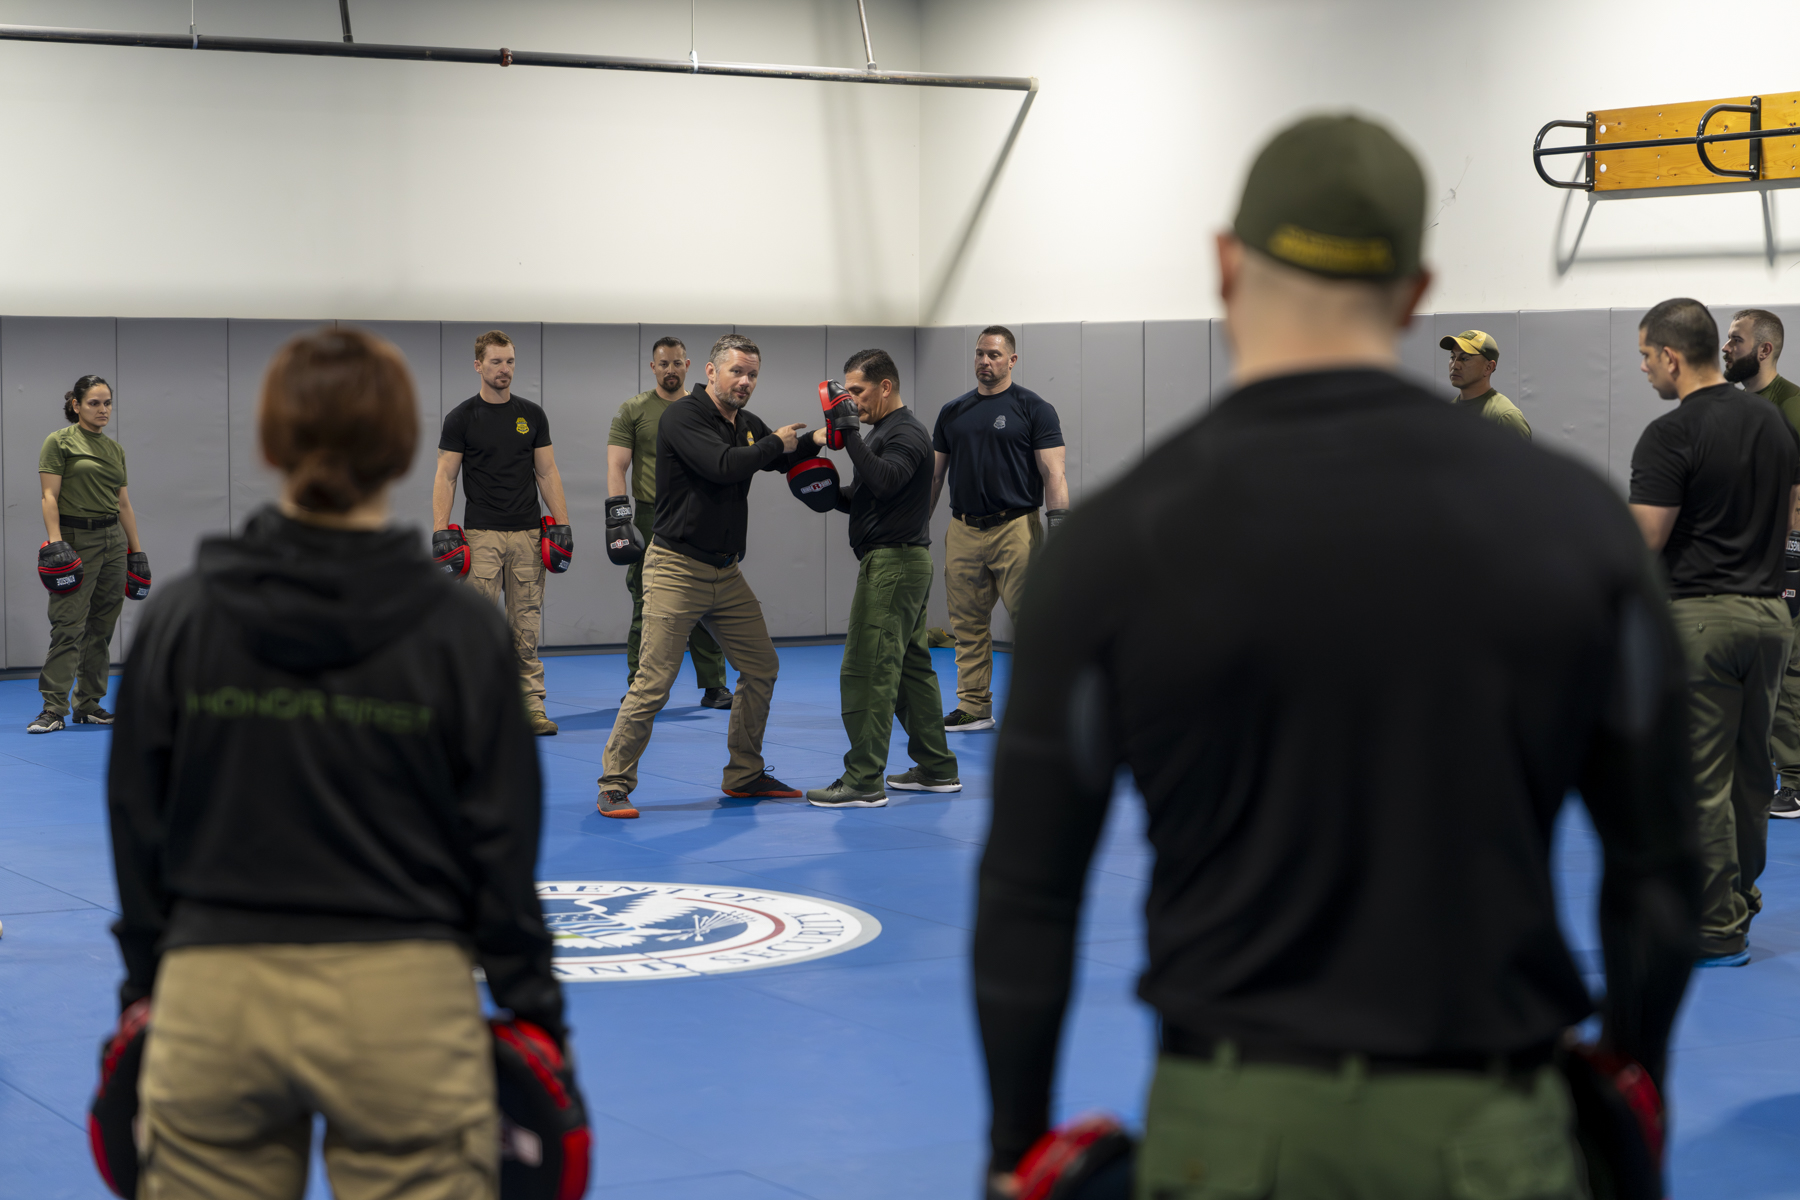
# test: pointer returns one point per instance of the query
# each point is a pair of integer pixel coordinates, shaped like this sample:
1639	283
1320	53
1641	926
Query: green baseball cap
1473	341
1337	196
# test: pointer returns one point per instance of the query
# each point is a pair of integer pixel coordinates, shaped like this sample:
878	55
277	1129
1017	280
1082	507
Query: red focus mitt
1619	1122
450	551
1089	1158
557	544
544	1138
59	568
839	408
112	1117
815	482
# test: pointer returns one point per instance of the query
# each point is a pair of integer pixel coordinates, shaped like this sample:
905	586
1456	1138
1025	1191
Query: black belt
1189	1045
862	550
694	552
88	522
994	520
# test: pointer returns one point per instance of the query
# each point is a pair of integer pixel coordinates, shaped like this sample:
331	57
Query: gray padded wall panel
1112	401
589	370
1050	365
1177	376
1565	382
1421	360
784	558
177	441
40	357
841	341
248	347
697	338
1219	364
1632	404
456	353
944	373
422	344
1503	327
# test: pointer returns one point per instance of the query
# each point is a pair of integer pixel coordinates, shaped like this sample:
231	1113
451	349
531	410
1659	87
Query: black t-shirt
704	465
1729	461
496	441
889	500
992	442
1352	849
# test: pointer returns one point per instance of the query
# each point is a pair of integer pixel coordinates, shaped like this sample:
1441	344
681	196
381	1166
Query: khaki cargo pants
980	567
680	592
509	562
1265	1132
1737	652
82	621
385	1040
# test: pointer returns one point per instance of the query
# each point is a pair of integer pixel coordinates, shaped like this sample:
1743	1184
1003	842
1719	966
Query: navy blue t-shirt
993	442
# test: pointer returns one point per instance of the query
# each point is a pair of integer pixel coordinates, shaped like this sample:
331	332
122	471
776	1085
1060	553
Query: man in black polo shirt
887	669
500	445
1713	488
1001	447
708	449
1353	942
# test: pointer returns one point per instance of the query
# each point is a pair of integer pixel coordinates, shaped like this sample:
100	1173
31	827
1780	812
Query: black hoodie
320	739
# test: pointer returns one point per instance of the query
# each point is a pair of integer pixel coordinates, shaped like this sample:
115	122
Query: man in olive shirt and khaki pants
1713	487
632	444
1473	357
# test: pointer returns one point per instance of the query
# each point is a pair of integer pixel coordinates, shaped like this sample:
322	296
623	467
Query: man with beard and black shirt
887	669
1352	937
1713	486
1752	355
708	449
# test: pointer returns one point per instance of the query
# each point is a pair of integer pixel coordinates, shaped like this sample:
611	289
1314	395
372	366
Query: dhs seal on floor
608	930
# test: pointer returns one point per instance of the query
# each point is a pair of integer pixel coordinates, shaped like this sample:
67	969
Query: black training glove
557	544
1790	583
137	575
59	568
624	540
839	408
450	551
1054	517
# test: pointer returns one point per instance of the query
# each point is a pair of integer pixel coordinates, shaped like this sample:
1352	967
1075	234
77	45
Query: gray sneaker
841	795
45	722
98	716
915	780
616	804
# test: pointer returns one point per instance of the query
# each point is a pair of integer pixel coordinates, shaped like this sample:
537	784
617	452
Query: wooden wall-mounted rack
1636	149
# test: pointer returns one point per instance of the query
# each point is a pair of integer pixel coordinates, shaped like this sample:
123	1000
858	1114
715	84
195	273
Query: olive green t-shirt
1784	396
1503	412
92	467
635	429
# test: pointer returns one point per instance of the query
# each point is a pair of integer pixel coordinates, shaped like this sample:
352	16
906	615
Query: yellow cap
1473	341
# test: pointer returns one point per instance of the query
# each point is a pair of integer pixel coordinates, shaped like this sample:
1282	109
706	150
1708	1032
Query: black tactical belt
994	520
682	548
862	550
88	522
1189	1045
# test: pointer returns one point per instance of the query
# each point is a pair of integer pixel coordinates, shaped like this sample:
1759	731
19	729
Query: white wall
149	182
1135	150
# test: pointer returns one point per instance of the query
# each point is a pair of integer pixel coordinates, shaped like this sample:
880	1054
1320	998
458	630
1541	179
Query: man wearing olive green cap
1473	356
1352	937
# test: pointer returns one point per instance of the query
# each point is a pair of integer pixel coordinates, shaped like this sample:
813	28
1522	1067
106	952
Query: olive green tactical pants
887	670
709	660
1218	1129
1784	738
81	622
509	562
1737	651
982	567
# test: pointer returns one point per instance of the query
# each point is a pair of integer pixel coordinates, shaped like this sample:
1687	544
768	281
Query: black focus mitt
113	1114
1090	1158
544	1140
59	568
839	408
557	544
137	575
815	481
624	540
450	551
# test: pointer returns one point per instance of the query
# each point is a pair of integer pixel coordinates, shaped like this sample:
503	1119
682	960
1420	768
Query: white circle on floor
610	930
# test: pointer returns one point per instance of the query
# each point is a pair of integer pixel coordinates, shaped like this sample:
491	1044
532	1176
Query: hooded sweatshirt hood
310	599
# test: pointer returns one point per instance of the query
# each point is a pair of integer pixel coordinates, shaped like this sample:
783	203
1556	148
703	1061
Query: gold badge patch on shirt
521	426
749	438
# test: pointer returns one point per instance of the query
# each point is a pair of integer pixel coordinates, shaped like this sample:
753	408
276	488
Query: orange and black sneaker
765	786
616	804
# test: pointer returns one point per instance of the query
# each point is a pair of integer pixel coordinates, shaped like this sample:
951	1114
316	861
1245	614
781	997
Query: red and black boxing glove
557	544
1620	1123
450	551
59	568
545	1144
839	408
137	575
114	1110
1089	1157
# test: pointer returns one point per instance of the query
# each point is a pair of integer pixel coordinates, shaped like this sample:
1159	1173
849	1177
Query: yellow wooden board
1680	166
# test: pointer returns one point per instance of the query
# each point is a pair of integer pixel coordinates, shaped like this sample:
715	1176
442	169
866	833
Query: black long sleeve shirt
1355	646
319	740
889	499
704	465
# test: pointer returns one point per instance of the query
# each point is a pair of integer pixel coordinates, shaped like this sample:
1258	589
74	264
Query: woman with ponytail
90	560
325	807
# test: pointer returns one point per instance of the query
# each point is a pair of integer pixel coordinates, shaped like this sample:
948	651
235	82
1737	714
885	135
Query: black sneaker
98	717
715	698
958	721
841	795
765	786
915	780
1787	803
45	722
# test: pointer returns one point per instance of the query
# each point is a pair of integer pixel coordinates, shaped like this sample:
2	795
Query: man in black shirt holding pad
1352	938
708	449
1713	488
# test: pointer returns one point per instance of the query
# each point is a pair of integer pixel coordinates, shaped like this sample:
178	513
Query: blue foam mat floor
854	1077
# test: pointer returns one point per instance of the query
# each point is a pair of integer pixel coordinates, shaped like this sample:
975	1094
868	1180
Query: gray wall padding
187	393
